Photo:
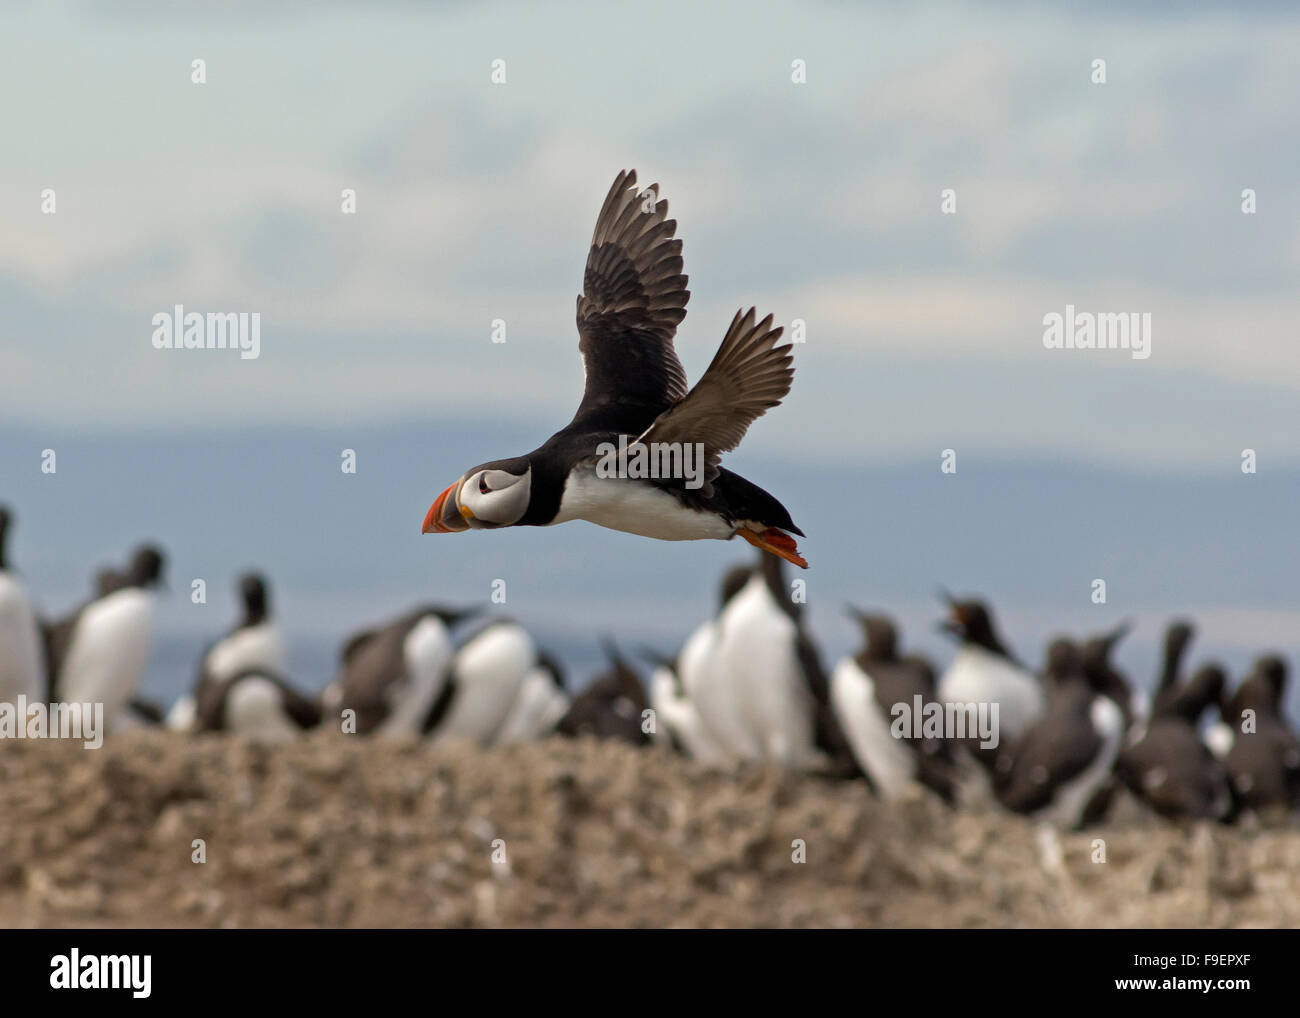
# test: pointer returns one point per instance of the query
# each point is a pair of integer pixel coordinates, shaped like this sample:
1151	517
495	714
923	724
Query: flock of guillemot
747	685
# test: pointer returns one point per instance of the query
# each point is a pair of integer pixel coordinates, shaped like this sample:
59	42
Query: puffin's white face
492	495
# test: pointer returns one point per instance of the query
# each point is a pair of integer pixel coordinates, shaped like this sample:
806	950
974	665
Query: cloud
819	202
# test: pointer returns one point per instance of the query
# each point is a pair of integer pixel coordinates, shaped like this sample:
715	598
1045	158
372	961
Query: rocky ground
339	831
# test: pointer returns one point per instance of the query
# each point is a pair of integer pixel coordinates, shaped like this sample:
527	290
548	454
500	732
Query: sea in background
344	551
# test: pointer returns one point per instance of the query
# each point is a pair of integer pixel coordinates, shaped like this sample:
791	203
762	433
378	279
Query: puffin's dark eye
483	488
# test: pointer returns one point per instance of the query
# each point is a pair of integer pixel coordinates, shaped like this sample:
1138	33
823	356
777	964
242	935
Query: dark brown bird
611	706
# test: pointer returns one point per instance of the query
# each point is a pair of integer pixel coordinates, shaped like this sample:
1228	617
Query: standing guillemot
865	690
634	296
984	675
1265	685
1061	765
1170	768
771	672
98	654
493	672
540	706
256	703
984	670
611	706
1263	761
1178	636
22	650
1104	677
715	704
241	686
254	643
392	675
677	721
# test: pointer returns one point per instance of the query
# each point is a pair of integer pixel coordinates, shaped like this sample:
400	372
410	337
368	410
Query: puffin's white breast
635	507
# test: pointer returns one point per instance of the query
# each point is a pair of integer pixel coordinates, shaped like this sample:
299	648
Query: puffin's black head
257	599
146	568
491	495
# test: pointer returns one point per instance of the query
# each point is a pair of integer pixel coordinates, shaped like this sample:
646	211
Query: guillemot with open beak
636	401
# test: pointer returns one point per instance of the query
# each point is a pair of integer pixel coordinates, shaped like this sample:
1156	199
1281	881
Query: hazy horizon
344	550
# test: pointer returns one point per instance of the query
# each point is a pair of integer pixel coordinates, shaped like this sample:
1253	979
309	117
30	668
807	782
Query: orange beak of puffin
445	516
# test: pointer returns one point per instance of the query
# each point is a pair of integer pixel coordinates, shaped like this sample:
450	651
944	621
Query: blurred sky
818	201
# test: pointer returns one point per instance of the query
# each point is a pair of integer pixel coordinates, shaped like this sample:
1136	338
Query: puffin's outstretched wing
749	375
633	297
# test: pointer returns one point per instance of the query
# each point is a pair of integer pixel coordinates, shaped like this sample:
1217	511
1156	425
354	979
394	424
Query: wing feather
633	297
748	376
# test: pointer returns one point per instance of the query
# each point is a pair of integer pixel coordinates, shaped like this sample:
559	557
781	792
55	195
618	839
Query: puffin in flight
634	296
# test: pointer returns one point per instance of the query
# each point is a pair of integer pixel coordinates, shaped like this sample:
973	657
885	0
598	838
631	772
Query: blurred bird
1169	767
496	672
22	650
1178	636
864	691
256	703
98	654
693	696
1103	676
540	705
1060	768
984	671
1263	762
391	676
676	721
766	664
611	706
254	644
